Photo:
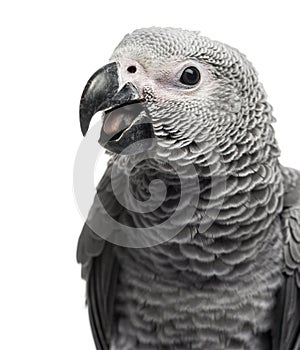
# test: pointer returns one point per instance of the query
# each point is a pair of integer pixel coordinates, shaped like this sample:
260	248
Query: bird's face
174	91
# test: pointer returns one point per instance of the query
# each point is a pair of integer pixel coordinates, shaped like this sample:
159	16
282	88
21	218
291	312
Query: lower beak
126	127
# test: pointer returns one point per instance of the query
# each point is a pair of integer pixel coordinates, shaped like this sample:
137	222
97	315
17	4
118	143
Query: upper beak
121	132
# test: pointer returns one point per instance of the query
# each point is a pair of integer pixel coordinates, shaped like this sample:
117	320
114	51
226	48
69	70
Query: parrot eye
190	76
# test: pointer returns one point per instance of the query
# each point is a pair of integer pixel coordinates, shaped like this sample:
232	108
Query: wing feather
286	332
100	267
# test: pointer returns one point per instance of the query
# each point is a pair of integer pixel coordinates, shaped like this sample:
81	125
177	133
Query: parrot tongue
120	119
127	130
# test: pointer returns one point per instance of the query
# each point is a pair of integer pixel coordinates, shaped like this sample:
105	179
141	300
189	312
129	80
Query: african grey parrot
219	269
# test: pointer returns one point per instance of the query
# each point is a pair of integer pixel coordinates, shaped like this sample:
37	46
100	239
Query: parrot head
180	93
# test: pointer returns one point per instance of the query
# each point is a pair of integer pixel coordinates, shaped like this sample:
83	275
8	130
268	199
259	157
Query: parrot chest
169	298
199	293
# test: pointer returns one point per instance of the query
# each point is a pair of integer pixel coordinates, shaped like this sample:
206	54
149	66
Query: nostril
131	69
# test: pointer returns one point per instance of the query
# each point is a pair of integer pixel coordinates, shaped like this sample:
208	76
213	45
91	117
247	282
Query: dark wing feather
99	265
286	332
101	292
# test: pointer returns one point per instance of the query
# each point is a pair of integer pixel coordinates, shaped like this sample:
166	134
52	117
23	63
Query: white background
48	51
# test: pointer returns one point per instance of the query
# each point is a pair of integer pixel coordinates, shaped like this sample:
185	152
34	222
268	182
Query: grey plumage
226	282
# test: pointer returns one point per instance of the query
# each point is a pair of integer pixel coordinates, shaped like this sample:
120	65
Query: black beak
126	127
